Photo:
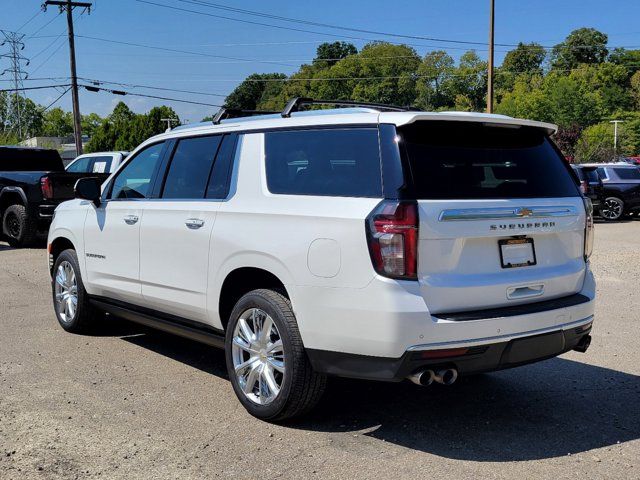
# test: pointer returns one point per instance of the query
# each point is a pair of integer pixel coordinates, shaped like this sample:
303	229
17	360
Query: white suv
369	242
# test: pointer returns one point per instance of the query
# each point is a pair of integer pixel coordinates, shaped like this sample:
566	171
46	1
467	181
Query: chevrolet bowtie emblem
524	212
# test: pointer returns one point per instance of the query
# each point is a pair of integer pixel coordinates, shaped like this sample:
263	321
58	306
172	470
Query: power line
49	57
40	87
44	26
156	47
325	25
29	21
132	85
134	94
56	100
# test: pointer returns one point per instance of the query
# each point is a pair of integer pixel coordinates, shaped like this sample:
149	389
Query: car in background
590	183
620	189
33	182
98	162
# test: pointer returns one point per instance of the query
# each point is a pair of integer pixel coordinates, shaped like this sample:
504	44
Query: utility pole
615	136
169	122
490	62
14	106
69	5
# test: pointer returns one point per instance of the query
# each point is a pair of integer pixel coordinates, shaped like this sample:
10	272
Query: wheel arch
12	196
58	245
242	280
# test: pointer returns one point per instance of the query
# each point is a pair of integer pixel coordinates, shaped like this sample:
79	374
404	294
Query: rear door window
190	167
328	162
464	160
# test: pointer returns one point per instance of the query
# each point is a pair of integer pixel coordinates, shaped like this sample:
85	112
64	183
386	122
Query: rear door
176	228
501	218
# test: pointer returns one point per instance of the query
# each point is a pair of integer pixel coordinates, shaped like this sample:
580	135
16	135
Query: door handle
131	219
194	223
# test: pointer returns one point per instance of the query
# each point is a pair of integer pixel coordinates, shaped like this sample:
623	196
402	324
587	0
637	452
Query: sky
216	54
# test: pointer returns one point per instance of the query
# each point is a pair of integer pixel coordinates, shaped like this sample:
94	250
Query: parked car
98	162
590	183
372	242
32	183
621	189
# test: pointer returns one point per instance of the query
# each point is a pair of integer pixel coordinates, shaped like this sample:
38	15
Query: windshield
464	160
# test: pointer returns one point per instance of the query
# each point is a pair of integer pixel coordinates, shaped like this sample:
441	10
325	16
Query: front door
112	231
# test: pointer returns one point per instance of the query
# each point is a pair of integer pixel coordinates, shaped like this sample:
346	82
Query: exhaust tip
447	376
583	344
423	378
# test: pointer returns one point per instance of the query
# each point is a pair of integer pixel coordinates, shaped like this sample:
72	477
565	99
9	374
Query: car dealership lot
132	403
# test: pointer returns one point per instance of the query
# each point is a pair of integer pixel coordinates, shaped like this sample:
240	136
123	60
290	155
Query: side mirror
88	189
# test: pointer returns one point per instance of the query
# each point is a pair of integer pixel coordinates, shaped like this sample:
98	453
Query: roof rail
225	113
295	103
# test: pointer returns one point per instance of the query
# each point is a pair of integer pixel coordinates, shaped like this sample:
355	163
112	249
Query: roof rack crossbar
294	105
225	113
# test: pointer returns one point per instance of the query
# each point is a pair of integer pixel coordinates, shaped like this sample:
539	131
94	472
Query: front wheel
70	300
268	367
612	209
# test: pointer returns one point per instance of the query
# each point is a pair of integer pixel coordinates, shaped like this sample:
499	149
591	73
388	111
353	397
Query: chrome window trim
500	213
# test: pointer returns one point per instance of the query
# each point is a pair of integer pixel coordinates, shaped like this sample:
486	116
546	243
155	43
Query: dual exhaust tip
445	376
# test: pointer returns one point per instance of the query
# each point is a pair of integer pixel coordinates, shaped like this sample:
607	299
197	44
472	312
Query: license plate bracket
517	252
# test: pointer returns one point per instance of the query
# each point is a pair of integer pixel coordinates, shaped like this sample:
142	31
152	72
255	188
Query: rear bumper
485	357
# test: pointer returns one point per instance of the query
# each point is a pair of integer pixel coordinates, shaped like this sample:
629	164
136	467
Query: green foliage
584	45
57	123
125	130
254	89
328	54
434	86
525	58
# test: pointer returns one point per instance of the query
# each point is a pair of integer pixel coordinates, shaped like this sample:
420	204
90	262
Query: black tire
18	227
85	314
301	387
612	209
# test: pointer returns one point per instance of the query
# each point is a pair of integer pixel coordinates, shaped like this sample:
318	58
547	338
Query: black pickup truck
32	184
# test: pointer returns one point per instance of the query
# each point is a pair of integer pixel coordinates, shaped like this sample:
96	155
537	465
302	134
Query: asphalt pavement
132	403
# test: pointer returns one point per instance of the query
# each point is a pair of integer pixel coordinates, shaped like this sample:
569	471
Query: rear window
461	160
29	160
627	173
340	162
591	175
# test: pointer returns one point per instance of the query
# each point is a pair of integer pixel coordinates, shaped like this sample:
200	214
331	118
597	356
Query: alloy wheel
13	225
258	356
612	209
66	291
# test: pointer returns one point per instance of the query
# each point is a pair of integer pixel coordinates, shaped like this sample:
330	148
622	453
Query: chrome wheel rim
258	356
66	291
612	209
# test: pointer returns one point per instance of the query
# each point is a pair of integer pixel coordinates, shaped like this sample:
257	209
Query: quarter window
190	167
328	162
134	180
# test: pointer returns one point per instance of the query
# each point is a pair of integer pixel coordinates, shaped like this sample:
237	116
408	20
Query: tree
57	123
630	59
584	45
256	88
434	83
525	58
328	54
566	139
469	82
90	123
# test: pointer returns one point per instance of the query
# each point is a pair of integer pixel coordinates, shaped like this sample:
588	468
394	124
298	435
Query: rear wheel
612	209
268	367
70	300
18	227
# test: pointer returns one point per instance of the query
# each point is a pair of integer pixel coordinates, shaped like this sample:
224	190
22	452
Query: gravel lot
132	403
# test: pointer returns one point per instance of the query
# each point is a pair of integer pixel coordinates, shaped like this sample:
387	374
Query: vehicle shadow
549	409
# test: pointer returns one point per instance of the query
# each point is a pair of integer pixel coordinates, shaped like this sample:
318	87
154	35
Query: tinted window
134	180
190	167
30	160
219	179
602	172
80	165
591	175
627	173
324	162
456	160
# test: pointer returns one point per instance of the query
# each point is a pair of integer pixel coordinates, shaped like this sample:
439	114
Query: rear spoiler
406	118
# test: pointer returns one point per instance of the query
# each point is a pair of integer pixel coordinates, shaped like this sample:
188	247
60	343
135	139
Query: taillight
588	229
47	188
584	187
392	233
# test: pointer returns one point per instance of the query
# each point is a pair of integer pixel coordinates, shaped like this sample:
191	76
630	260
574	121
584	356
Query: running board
174	325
